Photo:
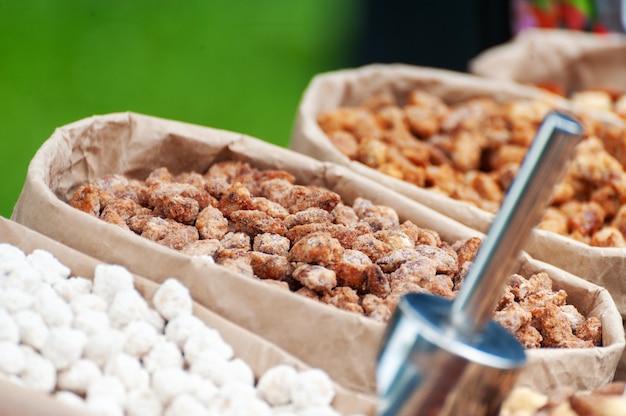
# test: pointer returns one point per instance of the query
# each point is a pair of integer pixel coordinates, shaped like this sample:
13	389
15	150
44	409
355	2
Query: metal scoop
449	358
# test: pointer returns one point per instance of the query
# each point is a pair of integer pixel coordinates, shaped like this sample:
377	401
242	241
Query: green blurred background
236	65
239	65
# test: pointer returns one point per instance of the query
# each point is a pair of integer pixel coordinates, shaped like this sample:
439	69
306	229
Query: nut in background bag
327	92
344	344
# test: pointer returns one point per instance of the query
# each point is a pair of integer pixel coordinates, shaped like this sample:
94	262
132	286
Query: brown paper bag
254	350
573	60
603	266
342	343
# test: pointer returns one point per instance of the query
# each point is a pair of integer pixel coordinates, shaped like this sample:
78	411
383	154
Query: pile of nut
100	347
609	399
472	150
304	238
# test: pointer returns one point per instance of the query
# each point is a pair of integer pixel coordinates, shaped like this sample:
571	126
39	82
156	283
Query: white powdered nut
109	279
179	329
39	374
164	354
237	399
9	330
52	308
88	301
143	402
187	405
12	359
312	387
140	338
155	319
18	274
172	299
79	376
170	382
274	385
10	252
107	387
240	371
70	399
33	329
129	370
208	339
52	270
202	389
70	288
212	366
127	306
64	346
103	406
91	321
103	345
14	299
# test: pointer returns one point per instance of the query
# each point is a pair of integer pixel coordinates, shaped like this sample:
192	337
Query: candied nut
371	152
414	270
159	176
237	197
344	298
229	170
317	248
113	217
466	250
308	216
271	208
315	197
553	220
89	199
375	308
176	207
271	244
608	237
377	281
269	266
124	207
202	247
371	246
529	337
345	142
396	258
169	233
556	329
420	235
217	188
445	260
317	278
513	317
254	222
352	270
236	240
344	215
379	217
138	222
591	330
211	223
396	239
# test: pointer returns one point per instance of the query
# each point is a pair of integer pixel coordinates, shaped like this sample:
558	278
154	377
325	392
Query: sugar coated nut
172	299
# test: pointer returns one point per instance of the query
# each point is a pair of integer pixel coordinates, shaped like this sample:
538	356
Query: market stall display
134	145
95	337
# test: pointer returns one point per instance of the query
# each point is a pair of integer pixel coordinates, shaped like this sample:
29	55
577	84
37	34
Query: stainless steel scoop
449	358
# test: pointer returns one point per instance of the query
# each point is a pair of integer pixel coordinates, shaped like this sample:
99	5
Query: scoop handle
521	210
